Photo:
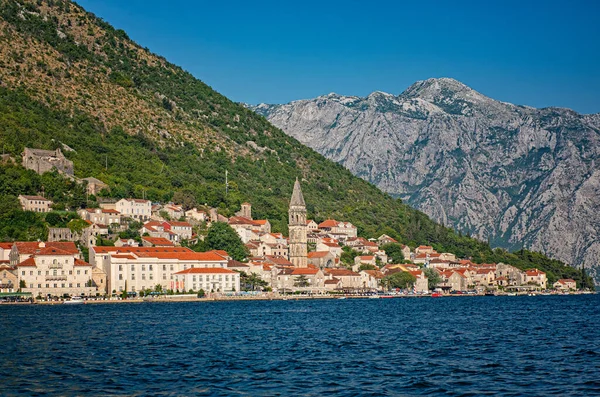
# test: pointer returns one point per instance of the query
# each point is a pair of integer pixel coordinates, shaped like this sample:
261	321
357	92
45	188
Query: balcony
56	278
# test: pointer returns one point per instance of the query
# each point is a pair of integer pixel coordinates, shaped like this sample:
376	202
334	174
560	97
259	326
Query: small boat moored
75	300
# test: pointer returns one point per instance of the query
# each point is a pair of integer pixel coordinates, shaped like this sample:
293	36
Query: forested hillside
148	128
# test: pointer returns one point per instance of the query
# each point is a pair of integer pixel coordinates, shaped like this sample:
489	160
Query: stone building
35	203
94	185
42	161
298	228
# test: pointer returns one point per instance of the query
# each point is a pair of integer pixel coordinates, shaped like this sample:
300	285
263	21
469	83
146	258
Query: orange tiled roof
328	223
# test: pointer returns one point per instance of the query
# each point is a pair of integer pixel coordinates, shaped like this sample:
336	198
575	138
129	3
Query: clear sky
537	53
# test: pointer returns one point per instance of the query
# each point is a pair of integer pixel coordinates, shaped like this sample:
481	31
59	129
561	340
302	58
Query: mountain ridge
510	174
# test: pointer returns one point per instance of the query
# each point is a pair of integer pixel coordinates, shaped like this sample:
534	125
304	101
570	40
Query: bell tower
298	228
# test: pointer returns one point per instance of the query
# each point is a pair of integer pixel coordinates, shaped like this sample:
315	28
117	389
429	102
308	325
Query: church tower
298	228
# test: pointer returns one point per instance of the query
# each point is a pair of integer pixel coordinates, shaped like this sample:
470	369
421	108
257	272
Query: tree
221	236
402	280
366	266
185	198
301	281
201	293
77	225
433	278
394	252
251	281
348	255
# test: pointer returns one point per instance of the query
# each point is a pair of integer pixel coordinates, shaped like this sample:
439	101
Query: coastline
193	298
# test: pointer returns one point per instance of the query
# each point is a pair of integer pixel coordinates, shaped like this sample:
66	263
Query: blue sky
537	53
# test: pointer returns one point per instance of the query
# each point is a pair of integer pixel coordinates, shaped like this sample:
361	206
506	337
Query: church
298	228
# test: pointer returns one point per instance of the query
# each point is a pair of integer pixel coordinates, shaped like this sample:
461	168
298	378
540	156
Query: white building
207	279
138	209
139	268
55	272
35	203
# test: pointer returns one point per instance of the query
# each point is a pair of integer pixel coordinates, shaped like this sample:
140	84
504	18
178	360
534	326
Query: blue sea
463	346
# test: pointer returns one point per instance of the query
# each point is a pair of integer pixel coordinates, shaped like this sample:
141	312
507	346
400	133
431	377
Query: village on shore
316	259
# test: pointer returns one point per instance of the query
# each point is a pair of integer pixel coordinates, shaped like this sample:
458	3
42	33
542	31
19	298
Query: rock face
514	175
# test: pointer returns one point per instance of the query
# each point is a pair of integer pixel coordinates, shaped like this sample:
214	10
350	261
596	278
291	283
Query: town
325	258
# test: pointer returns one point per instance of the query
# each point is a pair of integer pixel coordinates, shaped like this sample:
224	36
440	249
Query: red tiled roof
332	281
136	250
158	241
221	253
179	224
304	271
240	220
6	246
318	254
27	262
261	221
79	262
329	223
34	247
566	280
534	272
207	270
341	272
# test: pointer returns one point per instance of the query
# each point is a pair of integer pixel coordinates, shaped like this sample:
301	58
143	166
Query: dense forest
179	138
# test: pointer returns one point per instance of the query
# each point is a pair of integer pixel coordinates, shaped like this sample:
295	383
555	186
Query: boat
436	295
342	297
76	300
511	294
374	296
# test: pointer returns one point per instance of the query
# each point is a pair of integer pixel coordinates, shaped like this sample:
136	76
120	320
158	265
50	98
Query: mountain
149	129
512	175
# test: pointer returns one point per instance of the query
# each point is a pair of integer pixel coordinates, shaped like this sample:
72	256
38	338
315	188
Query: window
70	272
30	285
31	272
133	276
62	285
194	287
150	267
151	276
143	276
47	285
120	277
47	272
86	272
143	268
78	285
23	273
164	276
194	278
55	285
70	285
78	272
164	268
171	267
120	268
39	285
39	272
132	268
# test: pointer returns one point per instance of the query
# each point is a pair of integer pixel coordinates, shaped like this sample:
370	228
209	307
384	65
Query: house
100	215
42	161
535	277
182	229
312	226
9	282
371	279
238	266
55	272
385	239
512	276
322	259
365	260
333	226
195	215
174	231
126	243
138	209
484	277
565	284
174	211
300	279
246	228
421	283
94	186
350	280
334	248
35	203
5	249
207	279
424	249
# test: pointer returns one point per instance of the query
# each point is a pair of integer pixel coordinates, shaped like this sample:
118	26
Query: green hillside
148	128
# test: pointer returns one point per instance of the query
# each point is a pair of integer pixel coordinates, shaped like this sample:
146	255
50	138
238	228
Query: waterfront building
137	209
138	268
298	228
55	272
207	279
